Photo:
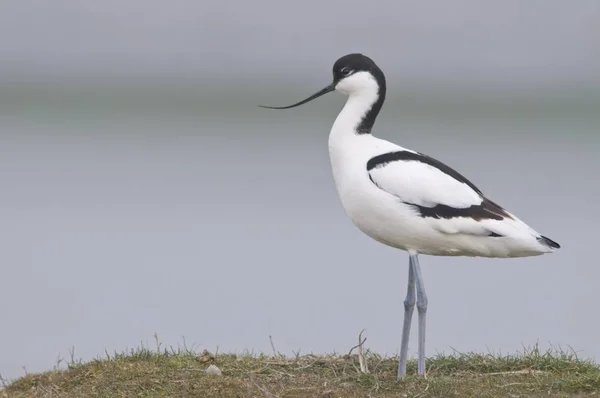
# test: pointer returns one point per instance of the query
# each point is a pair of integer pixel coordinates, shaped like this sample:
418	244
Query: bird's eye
345	71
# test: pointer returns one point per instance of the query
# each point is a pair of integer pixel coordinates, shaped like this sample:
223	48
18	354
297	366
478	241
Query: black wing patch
485	210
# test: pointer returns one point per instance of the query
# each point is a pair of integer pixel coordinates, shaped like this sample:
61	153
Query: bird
408	200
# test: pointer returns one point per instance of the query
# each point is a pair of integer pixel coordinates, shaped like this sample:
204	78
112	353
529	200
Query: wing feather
436	192
420	183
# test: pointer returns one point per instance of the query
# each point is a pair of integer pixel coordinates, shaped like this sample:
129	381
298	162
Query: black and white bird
408	200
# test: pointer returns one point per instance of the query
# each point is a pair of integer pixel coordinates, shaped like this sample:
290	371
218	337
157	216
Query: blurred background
143	190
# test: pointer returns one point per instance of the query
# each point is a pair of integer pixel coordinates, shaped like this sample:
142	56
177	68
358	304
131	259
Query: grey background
144	192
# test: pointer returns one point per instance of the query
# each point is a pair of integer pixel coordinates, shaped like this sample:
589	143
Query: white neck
349	149
355	109
345	143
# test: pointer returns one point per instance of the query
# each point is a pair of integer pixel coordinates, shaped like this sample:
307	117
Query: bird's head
353	74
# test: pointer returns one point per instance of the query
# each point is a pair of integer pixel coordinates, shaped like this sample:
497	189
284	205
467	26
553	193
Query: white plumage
408	200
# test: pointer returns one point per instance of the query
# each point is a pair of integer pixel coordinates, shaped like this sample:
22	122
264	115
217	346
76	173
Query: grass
180	373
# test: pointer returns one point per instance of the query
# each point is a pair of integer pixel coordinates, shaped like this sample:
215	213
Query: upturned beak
326	90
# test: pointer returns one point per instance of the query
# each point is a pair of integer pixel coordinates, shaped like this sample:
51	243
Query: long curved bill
326	90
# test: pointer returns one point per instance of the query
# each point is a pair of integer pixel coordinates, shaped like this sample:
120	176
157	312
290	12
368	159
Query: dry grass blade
532	372
275	353
266	392
364	367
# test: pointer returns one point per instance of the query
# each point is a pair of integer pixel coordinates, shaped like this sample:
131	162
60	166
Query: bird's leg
409	306
422	311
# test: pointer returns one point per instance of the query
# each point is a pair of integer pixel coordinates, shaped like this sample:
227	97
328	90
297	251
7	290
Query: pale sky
513	40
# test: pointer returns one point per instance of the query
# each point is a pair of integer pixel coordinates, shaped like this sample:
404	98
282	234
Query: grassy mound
181	373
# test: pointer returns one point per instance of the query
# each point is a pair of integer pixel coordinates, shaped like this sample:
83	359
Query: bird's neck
360	111
350	135
350	141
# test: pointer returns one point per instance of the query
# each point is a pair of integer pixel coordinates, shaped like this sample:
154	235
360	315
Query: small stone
213	370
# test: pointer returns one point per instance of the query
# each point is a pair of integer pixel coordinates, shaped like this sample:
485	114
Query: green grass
180	373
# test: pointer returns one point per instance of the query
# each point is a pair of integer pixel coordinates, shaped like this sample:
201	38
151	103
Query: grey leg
422	311
409	306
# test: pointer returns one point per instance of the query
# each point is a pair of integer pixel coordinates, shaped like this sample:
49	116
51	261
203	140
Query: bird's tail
548	242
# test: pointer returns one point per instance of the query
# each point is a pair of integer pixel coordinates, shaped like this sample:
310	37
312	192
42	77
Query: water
189	212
